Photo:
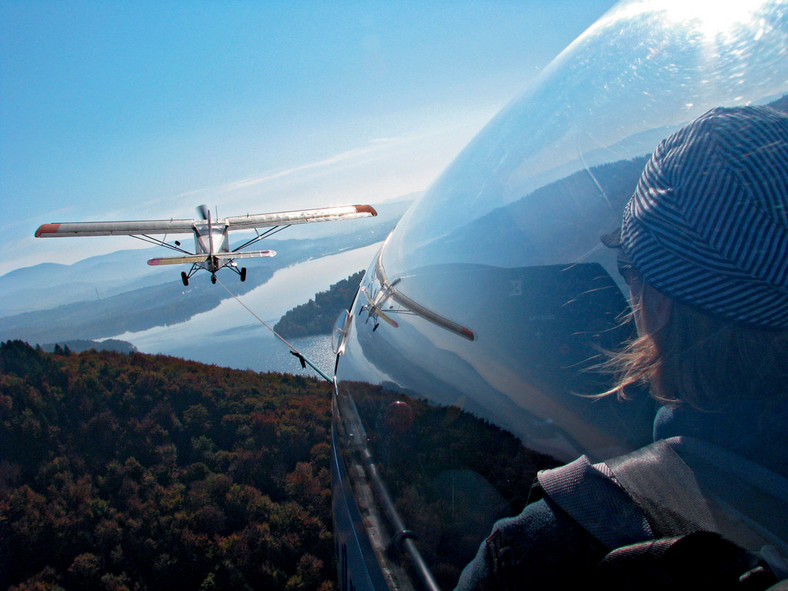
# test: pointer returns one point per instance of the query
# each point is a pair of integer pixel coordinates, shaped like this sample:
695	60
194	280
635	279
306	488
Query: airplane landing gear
213	278
185	279
243	274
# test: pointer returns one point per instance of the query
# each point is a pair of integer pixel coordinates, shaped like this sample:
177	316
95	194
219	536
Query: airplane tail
194	259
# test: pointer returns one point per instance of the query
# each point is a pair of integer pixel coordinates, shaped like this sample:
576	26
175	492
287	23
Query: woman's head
703	360
708	222
705	240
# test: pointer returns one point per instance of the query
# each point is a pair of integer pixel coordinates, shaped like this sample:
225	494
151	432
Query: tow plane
211	236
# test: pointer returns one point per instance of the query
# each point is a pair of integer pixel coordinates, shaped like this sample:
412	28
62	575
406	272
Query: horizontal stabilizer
203	258
387	318
194	259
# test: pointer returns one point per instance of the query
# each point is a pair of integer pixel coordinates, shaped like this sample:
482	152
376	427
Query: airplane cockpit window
472	355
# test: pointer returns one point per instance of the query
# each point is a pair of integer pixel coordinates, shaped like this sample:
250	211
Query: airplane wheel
243	274
185	279
213	278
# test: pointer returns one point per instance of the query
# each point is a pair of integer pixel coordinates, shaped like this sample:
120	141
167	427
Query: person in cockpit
703	245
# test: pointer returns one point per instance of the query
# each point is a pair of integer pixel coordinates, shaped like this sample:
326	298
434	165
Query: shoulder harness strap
665	488
589	496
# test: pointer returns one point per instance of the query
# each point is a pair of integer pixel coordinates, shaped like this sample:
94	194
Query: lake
231	336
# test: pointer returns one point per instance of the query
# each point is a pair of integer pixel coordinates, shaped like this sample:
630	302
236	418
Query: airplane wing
286	218
202	258
172	226
243	254
117	228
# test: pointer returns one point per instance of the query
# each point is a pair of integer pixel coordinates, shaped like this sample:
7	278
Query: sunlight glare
709	17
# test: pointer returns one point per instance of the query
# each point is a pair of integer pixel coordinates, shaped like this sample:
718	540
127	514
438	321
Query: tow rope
293	351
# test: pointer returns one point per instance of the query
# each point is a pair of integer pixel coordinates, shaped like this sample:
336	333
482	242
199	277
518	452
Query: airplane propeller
204	211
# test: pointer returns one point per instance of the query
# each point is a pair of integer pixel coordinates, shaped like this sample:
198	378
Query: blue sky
112	110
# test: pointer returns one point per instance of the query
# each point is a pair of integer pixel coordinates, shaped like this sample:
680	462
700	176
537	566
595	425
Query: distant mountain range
111	294
538	226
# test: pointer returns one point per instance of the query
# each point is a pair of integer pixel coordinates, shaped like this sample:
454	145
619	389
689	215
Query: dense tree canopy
130	471
318	315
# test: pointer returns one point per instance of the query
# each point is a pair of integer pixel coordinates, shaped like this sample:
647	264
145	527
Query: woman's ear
655	308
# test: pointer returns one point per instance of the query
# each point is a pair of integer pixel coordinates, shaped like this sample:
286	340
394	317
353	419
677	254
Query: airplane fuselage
211	238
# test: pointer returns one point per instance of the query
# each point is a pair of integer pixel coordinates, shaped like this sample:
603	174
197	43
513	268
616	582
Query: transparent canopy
642	71
470	356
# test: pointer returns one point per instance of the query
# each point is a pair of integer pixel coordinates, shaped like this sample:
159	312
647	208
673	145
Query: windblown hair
703	361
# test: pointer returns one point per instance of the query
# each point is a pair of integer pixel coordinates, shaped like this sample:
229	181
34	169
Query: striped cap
708	222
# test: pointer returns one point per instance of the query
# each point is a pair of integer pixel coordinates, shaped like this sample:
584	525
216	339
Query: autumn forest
138	472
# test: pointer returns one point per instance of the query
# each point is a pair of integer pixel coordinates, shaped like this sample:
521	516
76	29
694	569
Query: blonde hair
703	361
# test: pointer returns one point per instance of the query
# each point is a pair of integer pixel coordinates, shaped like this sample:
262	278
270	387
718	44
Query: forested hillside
317	316
130	471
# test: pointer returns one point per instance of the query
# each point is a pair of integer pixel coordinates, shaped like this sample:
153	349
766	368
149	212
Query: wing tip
366	209
46	229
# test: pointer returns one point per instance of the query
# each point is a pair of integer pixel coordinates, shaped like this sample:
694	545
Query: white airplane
211	237
373	307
